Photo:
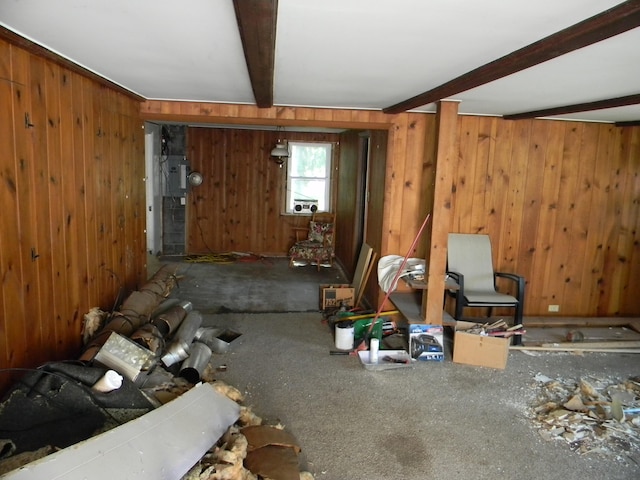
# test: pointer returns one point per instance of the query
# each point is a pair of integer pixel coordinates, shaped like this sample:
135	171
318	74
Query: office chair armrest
519	280
458	278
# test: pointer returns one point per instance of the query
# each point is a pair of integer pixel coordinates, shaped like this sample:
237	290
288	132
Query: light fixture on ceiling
281	151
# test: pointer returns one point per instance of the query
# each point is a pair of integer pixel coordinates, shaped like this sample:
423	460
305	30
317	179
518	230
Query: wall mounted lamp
281	151
195	179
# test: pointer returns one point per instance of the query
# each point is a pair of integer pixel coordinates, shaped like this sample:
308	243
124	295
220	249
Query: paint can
344	335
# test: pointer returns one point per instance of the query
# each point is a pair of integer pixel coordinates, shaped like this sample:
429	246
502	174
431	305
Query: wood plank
551	322
56	211
612	274
628	244
413	208
575	349
500	133
409	304
507	244
44	246
630	301
532	206
79	190
375	230
364	260
550	284
466	173
580	221
103	252
31	344
393	237
91	206
7	147
596	345
72	318
483	149
12	334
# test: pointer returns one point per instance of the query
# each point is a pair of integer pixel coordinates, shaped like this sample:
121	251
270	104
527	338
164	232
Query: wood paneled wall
559	199
406	139
561	203
73	201
238	206
348	202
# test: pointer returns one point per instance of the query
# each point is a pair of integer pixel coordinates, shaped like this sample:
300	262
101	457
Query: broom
364	345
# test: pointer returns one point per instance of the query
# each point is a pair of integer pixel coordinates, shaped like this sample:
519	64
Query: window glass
308	177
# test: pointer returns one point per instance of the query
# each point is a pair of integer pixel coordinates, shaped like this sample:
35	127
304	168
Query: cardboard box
426	342
480	350
334	296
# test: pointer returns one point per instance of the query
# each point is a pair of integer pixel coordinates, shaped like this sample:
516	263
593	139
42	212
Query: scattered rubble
249	450
111	342
582	413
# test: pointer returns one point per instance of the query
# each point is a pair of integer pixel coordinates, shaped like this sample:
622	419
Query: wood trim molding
34	48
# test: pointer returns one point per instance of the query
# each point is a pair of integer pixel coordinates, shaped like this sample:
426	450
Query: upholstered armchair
315	244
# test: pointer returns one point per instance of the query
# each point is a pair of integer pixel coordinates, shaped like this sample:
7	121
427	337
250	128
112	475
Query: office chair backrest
470	255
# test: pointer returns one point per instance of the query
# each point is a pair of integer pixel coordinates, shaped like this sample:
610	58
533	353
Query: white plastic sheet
389	265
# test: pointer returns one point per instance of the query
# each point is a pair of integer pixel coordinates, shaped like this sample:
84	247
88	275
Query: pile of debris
248	450
498	328
593	415
137	360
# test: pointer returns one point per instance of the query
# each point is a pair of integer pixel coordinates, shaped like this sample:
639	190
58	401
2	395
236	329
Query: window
308	177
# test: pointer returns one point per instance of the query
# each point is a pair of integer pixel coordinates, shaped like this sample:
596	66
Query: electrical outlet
554	308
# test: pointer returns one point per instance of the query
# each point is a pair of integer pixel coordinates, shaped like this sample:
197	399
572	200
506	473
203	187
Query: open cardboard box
349	295
336	296
479	350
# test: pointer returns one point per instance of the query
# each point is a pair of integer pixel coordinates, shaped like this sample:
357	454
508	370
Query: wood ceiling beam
630	123
579	107
616	20
257	24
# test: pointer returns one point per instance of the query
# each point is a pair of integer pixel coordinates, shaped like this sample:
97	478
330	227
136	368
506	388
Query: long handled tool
366	315
364	344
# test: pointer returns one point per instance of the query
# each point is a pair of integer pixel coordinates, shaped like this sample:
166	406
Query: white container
344	335
374	347
391	360
110	381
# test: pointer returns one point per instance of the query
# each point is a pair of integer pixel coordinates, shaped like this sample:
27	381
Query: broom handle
397	276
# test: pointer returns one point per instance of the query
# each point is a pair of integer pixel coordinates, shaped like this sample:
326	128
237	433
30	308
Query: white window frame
291	195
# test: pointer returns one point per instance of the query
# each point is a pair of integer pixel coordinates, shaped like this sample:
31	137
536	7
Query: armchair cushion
321	232
318	247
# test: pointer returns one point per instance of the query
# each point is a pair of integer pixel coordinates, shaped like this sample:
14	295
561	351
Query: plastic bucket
344	335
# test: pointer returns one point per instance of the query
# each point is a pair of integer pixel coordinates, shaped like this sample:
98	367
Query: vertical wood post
446	157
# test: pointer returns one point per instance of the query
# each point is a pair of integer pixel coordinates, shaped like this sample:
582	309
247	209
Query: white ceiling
365	54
